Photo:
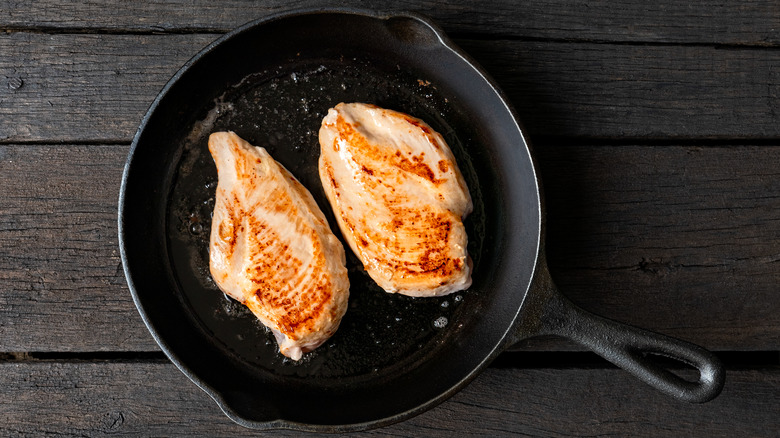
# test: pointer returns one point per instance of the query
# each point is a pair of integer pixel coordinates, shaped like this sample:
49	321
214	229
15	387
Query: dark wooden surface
96	87
656	130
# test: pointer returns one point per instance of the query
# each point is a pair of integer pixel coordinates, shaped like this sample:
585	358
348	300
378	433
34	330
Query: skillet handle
626	346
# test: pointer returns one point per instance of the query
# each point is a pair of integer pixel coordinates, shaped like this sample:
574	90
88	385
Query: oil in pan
281	110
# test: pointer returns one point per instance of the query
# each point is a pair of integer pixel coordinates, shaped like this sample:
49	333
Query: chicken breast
399	198
271	247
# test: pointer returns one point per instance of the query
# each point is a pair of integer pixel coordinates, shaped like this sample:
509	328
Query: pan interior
281	109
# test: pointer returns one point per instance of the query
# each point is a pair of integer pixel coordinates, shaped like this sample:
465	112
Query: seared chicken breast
399	198
271	247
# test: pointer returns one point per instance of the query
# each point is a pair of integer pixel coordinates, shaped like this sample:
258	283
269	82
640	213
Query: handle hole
678	367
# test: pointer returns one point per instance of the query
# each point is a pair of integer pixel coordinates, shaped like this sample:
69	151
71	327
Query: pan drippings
282	110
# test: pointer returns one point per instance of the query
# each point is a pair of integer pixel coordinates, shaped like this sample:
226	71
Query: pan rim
280	423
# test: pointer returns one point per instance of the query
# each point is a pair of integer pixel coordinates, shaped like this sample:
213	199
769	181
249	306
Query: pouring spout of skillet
272	81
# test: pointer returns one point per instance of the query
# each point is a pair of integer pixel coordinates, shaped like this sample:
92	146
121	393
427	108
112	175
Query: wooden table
656	126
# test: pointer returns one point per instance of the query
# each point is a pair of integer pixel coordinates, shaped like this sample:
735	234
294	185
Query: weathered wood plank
74	88
61	282
634	233
636	91
88	87
707	21
672	231
142	399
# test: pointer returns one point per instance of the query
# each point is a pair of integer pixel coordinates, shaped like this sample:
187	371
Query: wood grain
619	91
669	232
707	21
634	233
96	88
155	399
62	282
88	87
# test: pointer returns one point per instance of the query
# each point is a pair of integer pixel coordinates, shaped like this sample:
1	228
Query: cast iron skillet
272	81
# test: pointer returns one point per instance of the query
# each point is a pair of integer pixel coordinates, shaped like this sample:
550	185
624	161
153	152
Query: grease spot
440	322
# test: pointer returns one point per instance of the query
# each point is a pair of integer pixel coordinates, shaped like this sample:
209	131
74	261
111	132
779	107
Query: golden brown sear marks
367	151
272	249
399	198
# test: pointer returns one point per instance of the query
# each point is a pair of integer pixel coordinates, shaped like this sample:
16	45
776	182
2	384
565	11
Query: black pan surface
272	82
